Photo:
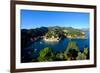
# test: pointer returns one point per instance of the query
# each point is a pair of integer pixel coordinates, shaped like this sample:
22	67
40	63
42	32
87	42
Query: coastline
57	39
51	39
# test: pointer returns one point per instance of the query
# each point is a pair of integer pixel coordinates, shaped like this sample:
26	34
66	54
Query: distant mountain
85	29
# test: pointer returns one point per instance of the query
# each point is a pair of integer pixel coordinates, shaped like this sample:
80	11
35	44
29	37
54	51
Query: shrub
81	56
45	55
71	51
85	51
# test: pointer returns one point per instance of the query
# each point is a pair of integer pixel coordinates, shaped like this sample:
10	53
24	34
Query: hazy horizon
54	26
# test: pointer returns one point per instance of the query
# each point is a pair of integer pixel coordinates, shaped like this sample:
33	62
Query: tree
72	45
71	51
59	56
81	56
45	55
85	51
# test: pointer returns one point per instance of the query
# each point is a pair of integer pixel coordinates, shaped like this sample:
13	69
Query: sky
35	19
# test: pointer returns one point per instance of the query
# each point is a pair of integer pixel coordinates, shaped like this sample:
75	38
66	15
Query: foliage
66	57
45	55
51	34
30	34
72	46
84	55
81	56
74	32
71	51
27	34
59	56
86	51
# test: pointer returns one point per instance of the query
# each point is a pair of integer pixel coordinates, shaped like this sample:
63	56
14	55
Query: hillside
68	32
